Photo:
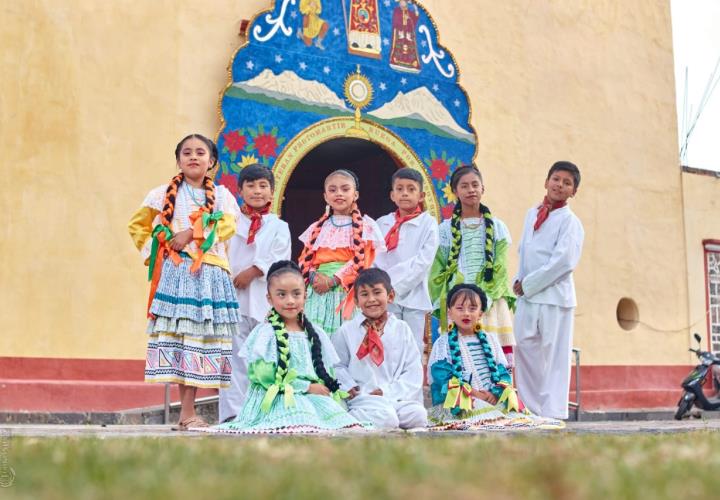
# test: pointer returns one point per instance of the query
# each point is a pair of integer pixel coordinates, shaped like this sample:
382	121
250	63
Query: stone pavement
165	431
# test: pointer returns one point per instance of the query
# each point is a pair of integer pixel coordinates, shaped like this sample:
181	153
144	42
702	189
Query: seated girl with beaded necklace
337	247
290	364
467	372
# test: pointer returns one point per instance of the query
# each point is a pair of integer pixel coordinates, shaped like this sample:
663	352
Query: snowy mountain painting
416	109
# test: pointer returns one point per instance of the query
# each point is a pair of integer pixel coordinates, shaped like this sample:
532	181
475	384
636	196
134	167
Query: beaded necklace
190	192
332	221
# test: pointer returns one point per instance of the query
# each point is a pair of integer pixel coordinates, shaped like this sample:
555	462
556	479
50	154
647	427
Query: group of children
336	341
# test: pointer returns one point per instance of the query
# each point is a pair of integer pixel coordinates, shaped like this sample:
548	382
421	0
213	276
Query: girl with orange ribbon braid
180	230
338	246
469	381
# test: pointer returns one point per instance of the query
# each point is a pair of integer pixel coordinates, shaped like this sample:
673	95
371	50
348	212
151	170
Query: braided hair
474	294
358	244
282	337
456	231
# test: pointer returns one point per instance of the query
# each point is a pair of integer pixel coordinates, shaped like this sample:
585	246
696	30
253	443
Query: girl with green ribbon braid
473	249
192	308
467	371
288	358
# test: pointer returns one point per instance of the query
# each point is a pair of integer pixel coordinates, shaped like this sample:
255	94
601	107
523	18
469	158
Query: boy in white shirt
261	239
550	249
411	237
379	363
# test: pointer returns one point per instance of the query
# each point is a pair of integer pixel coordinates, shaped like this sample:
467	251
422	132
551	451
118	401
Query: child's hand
318	389
353	392
322	284
486	396
181	239
244	278
376	392
517	288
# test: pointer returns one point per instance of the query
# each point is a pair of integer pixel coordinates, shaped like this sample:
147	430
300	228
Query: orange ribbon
164	251
196	220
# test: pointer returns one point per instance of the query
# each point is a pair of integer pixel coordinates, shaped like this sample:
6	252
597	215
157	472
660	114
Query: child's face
340	193
406	194
465	314
257	193
194	160
286	293
373	300
469	189
560	186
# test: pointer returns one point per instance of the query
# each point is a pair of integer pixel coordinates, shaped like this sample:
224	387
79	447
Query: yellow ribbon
509	397
458	395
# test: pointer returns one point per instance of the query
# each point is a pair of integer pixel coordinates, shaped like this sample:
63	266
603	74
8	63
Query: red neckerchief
393	236
372	344
255	219
545	209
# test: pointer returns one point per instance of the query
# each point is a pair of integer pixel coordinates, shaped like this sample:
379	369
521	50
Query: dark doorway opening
303	201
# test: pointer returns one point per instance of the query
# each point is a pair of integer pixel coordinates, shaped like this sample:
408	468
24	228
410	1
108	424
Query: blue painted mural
308	61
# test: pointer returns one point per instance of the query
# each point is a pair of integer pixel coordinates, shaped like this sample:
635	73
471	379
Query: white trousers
542	357
415	318
232	399
386	414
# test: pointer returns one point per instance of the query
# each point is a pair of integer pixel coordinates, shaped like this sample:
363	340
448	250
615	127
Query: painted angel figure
314	27
404	54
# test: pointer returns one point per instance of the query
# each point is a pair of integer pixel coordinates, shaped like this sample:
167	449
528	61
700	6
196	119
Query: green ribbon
458	395
339	395
159	228
206	220
274	390
442	280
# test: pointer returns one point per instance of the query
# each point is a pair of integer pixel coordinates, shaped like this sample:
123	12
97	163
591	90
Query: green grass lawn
555	465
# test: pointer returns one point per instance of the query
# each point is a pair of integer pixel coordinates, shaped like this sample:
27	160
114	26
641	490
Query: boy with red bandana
550	250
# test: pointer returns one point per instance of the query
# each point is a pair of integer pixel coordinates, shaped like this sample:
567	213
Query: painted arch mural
358	84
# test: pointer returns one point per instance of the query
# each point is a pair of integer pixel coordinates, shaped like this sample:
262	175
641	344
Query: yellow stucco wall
102	91
702	222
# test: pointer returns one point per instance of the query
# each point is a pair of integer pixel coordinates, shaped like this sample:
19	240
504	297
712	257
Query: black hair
282	267
288	266
346	173
373	276
460	171
409	174
255	172
566	166
212	148
467	291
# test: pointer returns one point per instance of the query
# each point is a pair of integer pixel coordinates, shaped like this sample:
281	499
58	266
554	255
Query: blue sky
696	43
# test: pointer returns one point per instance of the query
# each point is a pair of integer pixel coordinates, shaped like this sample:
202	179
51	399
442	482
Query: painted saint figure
314	27
404	53
364	29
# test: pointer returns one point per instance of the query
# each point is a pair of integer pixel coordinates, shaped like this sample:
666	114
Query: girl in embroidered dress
469	382
290	364
473	249
180	230
337	247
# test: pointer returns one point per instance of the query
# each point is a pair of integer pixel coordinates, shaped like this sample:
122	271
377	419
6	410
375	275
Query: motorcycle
693	394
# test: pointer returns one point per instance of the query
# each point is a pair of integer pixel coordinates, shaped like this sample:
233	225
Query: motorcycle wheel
686	402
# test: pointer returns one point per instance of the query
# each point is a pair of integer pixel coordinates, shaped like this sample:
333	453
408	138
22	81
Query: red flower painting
439	169
447	211
230	181
235	141
266	145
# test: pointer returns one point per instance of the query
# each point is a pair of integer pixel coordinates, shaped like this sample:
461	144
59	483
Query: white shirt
548	257
409	263
400	376
272	243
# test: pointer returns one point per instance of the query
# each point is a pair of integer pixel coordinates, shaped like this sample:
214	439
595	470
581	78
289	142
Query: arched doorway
303	202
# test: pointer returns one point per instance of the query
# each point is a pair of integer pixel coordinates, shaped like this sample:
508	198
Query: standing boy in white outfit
379	363
261	239
549	250
411	237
